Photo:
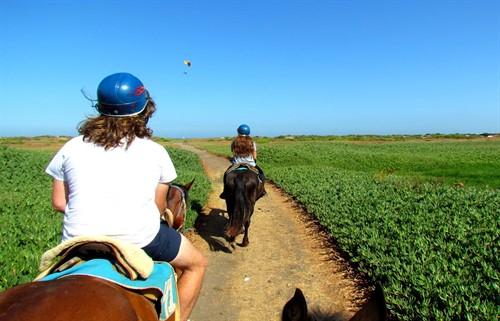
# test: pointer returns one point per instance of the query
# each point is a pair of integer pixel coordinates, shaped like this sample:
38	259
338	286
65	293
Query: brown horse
242	188
374	310
79	296
76	298
177	198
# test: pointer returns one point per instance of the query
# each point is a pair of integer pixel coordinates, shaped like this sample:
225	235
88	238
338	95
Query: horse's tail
238	219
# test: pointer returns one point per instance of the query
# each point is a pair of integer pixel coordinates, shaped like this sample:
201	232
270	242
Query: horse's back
247	177
74	298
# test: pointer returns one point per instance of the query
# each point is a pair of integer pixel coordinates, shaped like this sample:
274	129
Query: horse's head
176	211
296	309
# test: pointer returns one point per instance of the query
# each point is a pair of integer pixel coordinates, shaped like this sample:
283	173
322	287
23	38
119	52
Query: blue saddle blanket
161	283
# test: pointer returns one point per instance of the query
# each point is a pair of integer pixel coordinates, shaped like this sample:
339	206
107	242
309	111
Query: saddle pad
132	258
161	284
240	166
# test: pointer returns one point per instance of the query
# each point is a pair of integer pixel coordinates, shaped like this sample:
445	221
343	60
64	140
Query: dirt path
286	251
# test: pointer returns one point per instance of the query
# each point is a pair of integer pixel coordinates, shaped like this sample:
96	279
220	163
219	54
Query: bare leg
192	265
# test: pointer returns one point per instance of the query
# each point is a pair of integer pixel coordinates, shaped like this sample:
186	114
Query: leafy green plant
435	246
28	224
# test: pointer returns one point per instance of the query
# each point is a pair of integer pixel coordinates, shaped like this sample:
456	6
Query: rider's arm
161	197
59	195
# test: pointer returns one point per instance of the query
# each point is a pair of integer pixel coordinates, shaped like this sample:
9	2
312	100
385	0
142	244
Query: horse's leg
230	210
245	237
246	241
251	196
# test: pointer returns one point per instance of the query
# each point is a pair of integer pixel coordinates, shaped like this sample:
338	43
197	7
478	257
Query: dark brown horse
177	198
374	310
242	188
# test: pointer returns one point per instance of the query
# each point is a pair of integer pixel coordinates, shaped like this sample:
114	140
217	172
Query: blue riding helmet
120	95
244	130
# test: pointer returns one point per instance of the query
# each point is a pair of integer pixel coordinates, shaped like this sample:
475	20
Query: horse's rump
76	297
242	190
160	287
95	280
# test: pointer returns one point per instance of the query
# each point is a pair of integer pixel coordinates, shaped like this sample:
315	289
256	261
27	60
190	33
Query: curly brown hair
109	132
242	145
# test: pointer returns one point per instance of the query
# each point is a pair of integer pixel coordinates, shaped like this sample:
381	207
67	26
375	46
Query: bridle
170	217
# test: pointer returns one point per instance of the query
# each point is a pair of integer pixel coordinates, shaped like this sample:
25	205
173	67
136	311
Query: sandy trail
286	251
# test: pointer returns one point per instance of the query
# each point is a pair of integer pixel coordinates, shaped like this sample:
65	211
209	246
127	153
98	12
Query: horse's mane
317	314
374	310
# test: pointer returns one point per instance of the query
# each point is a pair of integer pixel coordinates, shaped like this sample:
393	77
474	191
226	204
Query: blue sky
282	67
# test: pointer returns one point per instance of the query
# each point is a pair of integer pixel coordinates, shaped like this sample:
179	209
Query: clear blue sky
282	67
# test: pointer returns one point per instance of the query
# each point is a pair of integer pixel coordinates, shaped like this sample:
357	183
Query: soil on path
286	251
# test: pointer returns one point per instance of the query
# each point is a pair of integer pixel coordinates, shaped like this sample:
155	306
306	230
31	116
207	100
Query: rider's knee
189	257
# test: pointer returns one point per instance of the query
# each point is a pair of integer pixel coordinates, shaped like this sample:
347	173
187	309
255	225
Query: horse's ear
375	309
188	185
296	308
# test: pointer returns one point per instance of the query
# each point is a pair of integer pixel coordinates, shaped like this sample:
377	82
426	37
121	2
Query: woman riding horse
113	180
244	151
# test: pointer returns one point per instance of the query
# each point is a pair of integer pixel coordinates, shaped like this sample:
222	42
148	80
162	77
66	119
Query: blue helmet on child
121	94
244	130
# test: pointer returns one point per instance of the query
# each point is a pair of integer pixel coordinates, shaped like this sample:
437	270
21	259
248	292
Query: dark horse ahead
242	188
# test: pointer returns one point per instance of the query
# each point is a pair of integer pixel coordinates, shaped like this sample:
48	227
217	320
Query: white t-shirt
112	192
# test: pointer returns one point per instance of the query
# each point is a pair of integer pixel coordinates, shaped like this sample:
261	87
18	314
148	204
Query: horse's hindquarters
76	298
241	195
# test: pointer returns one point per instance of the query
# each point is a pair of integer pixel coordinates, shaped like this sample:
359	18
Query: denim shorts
166	244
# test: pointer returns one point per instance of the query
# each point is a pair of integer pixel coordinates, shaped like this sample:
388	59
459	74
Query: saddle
119	262
128	259
242	166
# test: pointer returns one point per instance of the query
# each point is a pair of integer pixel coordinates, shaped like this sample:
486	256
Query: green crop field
29	226
421	216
